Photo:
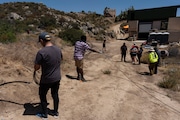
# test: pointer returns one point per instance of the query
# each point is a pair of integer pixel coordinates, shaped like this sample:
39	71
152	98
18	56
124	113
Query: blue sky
99	5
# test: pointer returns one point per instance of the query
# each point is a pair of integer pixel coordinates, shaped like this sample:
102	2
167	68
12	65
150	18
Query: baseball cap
44	36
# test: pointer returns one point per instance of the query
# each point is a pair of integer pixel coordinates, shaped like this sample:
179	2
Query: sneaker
78	77
83	80
43	116
56	115
150	74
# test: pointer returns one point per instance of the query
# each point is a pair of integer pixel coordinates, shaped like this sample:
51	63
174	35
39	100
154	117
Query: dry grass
172	77
107	72
172	69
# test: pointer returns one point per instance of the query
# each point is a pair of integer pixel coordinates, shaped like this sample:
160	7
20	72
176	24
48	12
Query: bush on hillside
7	37
48	23
71	35
7	32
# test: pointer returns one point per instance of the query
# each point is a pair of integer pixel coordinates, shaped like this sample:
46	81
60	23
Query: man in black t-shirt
48	59
123	50
104	45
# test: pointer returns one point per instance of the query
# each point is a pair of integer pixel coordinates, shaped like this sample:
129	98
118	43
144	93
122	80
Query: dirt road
123	94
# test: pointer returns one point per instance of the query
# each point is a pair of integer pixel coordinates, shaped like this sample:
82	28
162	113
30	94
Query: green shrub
8	37
71	35
7	32
46	22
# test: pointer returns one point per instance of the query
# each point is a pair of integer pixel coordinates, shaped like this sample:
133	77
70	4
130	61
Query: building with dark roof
162	19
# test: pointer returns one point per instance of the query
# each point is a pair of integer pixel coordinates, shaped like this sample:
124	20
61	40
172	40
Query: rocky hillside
32	17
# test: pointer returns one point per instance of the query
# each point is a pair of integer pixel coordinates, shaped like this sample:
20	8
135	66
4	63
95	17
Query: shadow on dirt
144	73
32	108
72	77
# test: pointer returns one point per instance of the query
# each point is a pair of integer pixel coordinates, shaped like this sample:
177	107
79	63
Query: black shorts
133	54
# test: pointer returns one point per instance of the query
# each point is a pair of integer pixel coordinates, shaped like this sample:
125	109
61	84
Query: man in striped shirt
80	48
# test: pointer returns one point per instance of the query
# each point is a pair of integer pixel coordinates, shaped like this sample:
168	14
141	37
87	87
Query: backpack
140	51
134	50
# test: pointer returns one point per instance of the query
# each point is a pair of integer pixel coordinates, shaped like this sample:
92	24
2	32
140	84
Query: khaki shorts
79	63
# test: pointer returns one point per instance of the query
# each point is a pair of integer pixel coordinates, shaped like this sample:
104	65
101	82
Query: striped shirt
80	49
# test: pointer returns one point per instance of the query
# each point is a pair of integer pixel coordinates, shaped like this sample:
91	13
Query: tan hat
151	49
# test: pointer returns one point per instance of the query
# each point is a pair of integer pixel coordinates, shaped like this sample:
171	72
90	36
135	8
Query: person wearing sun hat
152	60
48	59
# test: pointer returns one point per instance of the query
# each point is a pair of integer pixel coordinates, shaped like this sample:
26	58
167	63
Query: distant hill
19	17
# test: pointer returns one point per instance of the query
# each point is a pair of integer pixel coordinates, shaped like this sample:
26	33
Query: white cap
151	49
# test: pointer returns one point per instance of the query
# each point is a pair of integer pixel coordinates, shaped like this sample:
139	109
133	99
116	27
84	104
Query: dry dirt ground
123	94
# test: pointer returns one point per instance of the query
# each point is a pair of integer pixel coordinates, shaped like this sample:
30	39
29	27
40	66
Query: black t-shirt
49	58
123	49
